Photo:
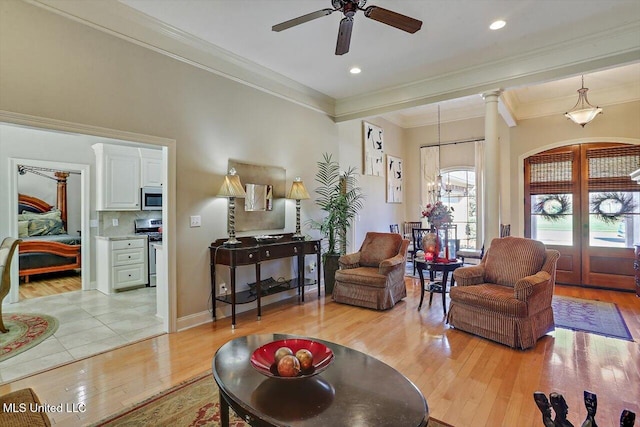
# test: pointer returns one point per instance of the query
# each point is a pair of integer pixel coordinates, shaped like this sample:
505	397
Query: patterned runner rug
192	403
25	332
596	317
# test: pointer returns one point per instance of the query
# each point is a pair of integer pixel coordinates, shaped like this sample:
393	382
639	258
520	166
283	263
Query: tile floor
89	323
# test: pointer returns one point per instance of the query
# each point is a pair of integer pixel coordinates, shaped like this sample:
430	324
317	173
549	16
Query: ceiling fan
349	9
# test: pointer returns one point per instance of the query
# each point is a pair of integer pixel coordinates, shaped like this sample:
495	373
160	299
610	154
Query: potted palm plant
341	198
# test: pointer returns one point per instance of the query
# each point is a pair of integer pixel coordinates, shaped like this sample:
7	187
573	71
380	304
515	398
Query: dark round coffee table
356	389
436	287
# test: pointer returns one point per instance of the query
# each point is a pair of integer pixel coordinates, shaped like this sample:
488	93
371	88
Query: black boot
545	408
627	418
591	403
561	409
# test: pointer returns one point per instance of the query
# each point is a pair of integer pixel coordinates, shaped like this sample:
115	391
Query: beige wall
56	68
377	213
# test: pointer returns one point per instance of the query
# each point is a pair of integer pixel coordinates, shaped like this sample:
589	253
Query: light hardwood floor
467	381
43	285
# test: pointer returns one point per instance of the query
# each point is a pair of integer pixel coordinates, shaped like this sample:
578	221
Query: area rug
596	317
408	271
25	332
192	403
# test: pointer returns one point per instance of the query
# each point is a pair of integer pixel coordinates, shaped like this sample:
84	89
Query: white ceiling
453	56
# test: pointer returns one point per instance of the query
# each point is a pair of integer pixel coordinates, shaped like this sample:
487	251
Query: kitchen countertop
131	236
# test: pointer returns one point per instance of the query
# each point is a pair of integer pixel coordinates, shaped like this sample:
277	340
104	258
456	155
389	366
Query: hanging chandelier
583	112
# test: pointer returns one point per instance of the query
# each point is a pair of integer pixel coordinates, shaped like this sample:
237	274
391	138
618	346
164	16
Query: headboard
32	204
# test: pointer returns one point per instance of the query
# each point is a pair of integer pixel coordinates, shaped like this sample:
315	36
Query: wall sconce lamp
231	188
583	112
298	192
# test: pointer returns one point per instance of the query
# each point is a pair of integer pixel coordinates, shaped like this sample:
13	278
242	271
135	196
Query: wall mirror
259	197
264	206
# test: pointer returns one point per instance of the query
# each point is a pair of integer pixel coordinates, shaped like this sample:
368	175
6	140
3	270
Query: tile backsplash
125	219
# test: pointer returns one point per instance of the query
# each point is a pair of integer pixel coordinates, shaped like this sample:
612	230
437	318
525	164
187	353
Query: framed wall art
373	150
394	179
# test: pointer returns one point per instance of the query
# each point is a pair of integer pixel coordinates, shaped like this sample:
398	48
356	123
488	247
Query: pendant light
583	112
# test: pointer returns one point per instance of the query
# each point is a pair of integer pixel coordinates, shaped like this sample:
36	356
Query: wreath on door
553	207
610	207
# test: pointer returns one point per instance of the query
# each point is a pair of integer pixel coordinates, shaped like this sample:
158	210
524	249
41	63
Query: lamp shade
298	191
583	116
583	112
231	186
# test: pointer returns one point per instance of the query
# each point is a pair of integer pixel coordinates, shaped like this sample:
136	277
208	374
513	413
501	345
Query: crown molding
120	20
598	51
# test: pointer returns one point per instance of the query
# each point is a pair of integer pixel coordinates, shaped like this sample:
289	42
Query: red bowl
263	359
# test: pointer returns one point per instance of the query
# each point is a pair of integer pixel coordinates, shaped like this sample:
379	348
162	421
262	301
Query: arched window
459	192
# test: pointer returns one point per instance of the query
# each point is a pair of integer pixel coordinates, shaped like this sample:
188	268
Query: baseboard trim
194	320
224	310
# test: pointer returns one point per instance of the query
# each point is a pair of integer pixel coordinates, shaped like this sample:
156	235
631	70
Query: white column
491	217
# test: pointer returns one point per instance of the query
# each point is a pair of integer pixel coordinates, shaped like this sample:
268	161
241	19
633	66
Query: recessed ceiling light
355	70
496	25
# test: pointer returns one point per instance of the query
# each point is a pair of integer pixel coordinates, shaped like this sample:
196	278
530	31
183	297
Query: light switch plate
115	222
196	221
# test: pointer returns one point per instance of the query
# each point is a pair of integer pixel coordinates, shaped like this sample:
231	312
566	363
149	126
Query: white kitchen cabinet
117	178
122	263
151	172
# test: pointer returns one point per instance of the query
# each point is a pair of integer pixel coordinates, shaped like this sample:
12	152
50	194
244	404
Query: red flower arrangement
438	214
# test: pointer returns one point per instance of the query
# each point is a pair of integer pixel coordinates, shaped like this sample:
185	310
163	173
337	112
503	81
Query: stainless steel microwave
151	198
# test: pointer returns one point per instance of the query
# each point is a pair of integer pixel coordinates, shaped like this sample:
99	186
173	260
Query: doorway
50	225
581	201
66	137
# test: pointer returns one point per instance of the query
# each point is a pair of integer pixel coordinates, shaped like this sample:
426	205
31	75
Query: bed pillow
45	227
52	214
44	224
23	228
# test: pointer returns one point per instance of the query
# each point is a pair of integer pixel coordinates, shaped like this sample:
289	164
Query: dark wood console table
250	252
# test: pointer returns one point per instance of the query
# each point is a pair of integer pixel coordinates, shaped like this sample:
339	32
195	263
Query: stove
152	228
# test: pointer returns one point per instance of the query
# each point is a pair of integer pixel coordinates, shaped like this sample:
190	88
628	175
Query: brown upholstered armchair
507	297
373	277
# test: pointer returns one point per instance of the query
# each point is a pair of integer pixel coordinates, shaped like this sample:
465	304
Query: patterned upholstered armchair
373	277
507	297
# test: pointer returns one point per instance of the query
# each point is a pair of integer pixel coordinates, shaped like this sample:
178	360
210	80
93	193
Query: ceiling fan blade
397	20
344	35
302	19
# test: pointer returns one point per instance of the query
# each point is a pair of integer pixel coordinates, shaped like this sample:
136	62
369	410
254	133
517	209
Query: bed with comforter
46	246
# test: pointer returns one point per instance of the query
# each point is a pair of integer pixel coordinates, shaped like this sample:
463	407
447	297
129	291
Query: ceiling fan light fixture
496	25
355	70
349	9
583	112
